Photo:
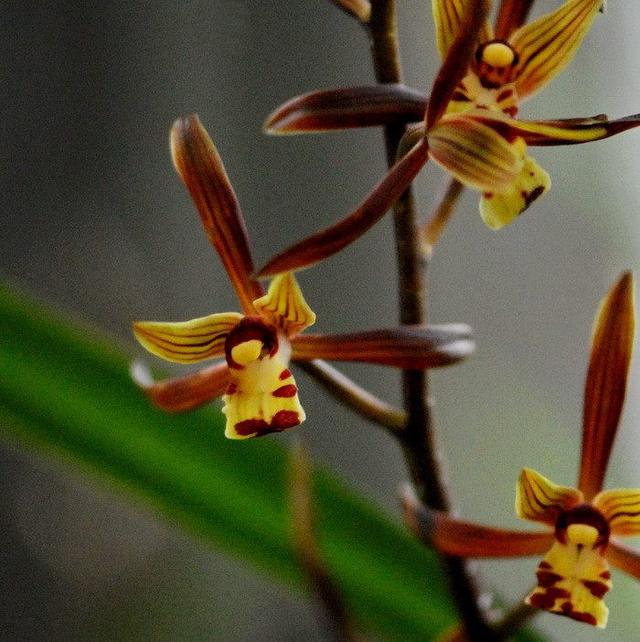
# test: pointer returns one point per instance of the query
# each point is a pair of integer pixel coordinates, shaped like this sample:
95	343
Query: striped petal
454	536
410	347
333	239
512	14
547	45
183	393
621	509
284	306
187	341
262	398
540	500
474	153
572	580
354	107
501	208
200	167
448	16
605	388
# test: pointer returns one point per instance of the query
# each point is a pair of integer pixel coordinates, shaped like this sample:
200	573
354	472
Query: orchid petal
183	393
333	239
284	306
187	341
547	45
624	557
262	398
500	209
360	9
605	388
449	16
408	346
572	580
540	500
470	22
200	167
621	509
454	536
474	153
354	107
512	14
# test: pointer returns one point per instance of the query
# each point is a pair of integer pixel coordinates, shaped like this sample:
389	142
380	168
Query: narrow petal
500	209
611	349
448	16
200	167
354	107
183	393
624	557
468	27
465	539
572	580
360	9
621	508
262	398
540	500
410	347
547	45
333	239
187	341
512	14
569	131
474	153
284	306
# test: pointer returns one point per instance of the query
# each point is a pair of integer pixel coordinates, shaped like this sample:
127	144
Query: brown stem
418	438
432	230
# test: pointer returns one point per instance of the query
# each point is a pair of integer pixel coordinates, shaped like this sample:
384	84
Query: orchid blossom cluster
469	126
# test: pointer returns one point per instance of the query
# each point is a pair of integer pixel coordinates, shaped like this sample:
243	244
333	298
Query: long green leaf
67	391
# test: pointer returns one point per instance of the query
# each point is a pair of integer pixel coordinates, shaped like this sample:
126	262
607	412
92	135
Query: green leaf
67	391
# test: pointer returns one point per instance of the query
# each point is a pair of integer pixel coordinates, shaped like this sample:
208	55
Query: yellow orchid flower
259	391
586	521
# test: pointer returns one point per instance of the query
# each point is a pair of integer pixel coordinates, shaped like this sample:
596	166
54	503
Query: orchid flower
586	521
259	392
468	126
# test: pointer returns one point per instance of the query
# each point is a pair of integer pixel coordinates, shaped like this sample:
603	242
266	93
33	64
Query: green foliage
67	391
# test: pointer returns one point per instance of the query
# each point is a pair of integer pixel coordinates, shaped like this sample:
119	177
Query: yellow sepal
448	16
540	500
284	305
187	341
621	508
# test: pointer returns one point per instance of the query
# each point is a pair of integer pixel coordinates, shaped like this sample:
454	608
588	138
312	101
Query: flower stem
418	440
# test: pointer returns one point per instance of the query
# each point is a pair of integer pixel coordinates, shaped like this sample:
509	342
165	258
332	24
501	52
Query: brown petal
335	109
410	347
200	167
333	239
465	539
360	9
183	393
624	557
611	348
512	14
455	65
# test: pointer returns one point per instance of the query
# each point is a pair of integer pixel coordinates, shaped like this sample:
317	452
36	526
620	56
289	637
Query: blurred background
96	223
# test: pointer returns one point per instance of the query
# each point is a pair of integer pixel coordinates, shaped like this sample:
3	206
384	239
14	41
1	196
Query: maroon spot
597	589
567	609
504	94
544	564
285	374
547	579
284	419
488	195
285	391
460	96
232	388
606	575
531	196
548	599
251	426
511	111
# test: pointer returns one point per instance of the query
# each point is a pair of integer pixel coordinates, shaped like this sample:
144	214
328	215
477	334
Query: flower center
582	534
251	340
495	64
498	54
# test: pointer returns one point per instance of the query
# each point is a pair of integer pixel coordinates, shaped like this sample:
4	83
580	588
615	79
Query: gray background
95	222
